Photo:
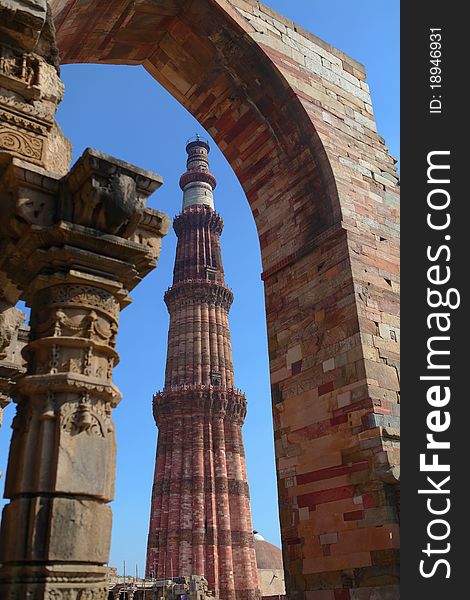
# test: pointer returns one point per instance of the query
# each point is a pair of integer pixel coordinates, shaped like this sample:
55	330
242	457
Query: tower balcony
199	399
199	290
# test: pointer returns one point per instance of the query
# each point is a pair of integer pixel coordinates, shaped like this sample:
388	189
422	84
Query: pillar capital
92	225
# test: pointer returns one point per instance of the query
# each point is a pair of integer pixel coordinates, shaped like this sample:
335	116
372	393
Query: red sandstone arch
321	186
202	54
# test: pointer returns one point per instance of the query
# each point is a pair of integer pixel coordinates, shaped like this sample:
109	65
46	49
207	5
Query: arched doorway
155	133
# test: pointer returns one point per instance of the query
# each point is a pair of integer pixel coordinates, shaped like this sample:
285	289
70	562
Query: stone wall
337	412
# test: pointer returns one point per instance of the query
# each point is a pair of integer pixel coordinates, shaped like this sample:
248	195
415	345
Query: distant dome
268	556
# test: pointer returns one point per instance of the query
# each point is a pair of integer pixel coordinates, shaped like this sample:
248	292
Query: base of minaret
200	517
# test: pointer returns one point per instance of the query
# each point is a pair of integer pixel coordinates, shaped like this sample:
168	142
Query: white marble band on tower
197	182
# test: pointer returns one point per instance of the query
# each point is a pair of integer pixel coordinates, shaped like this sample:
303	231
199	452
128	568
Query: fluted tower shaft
200	520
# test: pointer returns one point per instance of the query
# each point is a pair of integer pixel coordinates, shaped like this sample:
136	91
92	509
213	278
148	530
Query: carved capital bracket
13	335
75	246
93	221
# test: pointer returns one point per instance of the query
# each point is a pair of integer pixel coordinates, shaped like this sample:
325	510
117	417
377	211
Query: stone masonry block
388	592
86	464
329	538
92	539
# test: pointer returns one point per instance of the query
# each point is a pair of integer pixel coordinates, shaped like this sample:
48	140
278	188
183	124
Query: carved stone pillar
30	91
76	245
72	246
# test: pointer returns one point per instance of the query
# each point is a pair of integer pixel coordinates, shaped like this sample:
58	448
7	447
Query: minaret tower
200	522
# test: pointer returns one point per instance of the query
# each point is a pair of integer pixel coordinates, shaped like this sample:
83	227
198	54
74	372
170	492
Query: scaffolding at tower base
194	587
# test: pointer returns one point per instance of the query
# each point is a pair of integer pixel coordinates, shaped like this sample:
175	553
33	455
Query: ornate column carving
30	91
76	246
13	334
30	87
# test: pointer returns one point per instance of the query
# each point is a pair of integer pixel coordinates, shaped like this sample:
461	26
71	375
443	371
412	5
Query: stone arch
293	117
203	54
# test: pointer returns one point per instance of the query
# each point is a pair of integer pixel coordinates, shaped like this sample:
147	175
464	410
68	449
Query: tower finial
197	182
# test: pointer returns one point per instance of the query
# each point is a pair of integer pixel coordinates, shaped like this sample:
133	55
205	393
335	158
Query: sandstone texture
294	118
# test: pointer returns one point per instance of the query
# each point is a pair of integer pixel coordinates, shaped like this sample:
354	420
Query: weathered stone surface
10	321
13	334
22	22
75	272
391	592
293	116
30	87
53	519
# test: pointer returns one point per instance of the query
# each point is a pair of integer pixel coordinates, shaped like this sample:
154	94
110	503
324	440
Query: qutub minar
200	522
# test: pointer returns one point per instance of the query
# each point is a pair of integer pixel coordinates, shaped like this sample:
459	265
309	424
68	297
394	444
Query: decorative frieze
20	70
207	400
29	93
198	292
21	143
76	296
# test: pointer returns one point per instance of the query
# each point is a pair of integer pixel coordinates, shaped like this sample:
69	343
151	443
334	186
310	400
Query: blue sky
124	112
